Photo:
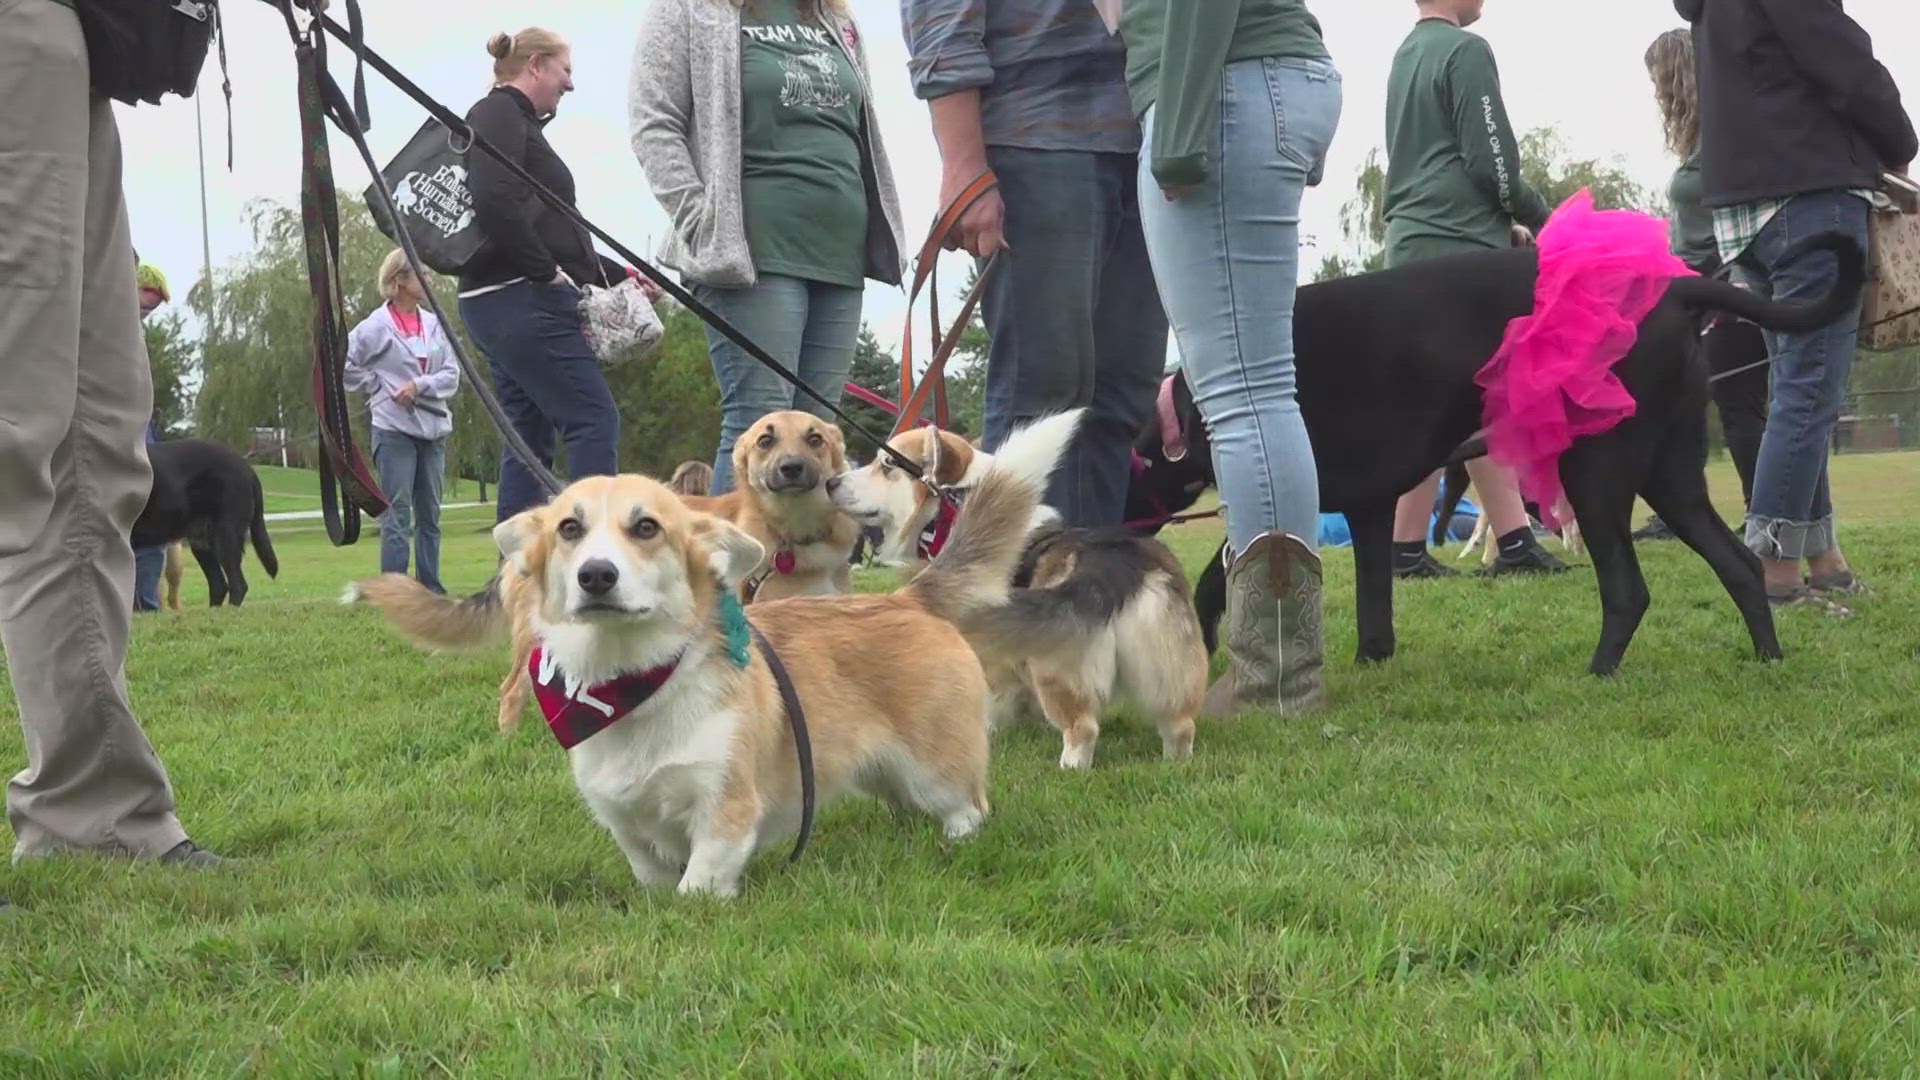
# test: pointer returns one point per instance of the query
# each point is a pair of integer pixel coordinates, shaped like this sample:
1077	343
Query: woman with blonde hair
400	358
519	296
754	122
1733	347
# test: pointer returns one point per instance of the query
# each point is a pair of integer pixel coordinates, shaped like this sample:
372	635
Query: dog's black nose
833	484
598	577
792	470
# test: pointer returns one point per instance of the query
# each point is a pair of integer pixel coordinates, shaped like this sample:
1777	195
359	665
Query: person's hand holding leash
1522	236
408	393
981	230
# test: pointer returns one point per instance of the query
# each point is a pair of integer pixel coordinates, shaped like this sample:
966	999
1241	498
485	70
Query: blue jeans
1075	319
1791	513
410	472
548	382
148	562
810	326
1227	254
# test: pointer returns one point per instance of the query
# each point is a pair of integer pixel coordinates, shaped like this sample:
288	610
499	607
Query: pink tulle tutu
1552	380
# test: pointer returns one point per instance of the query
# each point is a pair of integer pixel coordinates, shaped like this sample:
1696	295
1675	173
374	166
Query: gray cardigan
684	119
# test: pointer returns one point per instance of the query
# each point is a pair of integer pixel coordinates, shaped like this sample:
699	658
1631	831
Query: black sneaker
1525	557
1426	566
1654	529
189	854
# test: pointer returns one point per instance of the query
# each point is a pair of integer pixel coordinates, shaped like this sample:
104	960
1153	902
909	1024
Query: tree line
253	367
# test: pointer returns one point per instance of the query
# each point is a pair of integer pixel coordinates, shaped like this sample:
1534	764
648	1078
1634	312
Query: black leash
458	126
802	743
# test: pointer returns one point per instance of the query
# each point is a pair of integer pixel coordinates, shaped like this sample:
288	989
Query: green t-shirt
803	190
1453	163
1175	52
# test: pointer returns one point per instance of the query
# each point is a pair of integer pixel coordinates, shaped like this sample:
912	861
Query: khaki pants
75	393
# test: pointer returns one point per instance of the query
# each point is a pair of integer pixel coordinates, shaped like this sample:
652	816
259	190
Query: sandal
1805	596
1840	584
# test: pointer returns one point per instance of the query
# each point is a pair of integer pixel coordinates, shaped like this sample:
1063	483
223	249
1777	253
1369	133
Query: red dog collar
934	536
576	714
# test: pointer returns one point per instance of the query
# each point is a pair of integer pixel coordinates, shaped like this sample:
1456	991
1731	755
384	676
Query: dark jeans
548	383
1075	319
410	472
1791	514
1740	399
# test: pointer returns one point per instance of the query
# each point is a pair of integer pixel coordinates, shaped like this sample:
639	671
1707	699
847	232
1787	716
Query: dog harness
934	537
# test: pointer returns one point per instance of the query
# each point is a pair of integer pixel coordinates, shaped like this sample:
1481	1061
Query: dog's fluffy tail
1786	316
974	571
262	543
432	620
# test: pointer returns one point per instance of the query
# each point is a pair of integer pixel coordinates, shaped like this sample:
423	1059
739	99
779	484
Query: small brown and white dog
1097	615
625	586
780	468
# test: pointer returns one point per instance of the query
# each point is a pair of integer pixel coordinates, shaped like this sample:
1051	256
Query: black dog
210	497
1385	365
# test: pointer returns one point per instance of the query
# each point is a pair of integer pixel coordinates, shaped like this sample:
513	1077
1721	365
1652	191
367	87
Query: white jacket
379	361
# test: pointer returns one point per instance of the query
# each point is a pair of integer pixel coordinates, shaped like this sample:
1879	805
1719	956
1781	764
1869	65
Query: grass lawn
1479	861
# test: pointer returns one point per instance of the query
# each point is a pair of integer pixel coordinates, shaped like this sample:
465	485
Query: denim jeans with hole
810	326
1075	319
548	383
1227	254
410	471
1791	513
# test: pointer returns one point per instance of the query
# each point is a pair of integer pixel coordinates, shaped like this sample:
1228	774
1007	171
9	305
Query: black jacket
524	236
1791	100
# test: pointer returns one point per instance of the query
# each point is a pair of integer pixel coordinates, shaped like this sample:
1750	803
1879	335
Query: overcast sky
1575	66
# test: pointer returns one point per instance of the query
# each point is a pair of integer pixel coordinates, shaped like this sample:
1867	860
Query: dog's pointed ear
517	538
732	554
934	449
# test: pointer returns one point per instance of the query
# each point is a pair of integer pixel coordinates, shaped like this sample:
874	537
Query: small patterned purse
1890	311
620	323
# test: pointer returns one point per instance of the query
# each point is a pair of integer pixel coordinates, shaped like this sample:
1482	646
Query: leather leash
926	274
343	471
802	742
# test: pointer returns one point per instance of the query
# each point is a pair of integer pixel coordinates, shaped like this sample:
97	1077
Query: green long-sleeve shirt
1176	50
1453	163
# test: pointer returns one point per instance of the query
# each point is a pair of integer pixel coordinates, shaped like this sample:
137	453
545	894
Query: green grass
1478	862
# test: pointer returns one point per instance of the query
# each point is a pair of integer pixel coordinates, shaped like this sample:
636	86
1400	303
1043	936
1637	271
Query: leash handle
926	274
802	742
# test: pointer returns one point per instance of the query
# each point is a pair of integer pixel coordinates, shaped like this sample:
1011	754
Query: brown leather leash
926	275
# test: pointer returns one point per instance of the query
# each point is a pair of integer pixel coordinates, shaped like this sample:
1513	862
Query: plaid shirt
1735	227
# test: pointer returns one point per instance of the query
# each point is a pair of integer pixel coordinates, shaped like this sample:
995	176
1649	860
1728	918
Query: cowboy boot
1272	631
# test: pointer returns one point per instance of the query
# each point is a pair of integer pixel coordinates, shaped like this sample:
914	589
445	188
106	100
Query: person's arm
1835	52
442	378
503	206
660	114
949	64
362	343
1187	107
1486	135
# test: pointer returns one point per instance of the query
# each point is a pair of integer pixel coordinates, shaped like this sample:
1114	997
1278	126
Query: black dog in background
1385	364
210	497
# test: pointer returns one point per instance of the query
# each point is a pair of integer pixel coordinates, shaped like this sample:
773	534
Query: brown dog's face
624	550
790	455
